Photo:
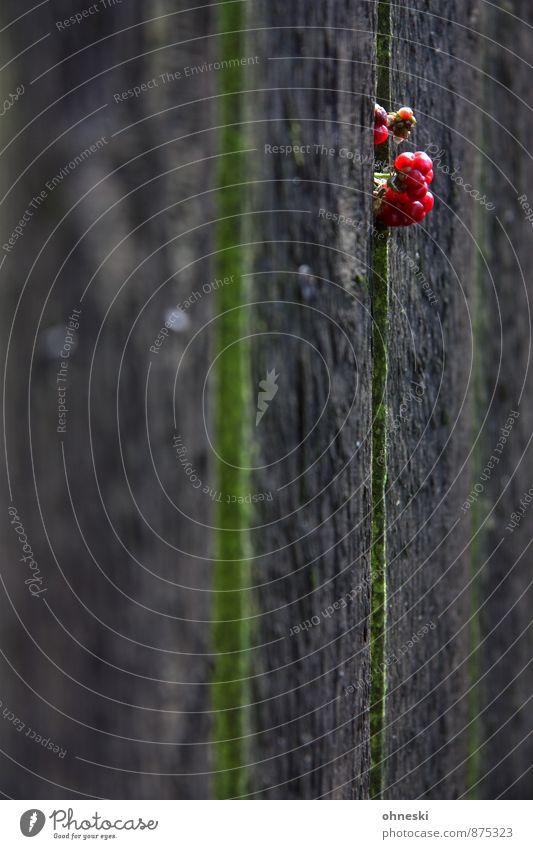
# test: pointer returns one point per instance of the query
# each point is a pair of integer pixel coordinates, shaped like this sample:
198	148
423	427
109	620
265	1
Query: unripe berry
405	113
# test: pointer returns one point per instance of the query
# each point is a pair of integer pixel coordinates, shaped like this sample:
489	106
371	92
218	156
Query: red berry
380	116
414	178
429	176
417	211
419	193
405	113
422	162
428	202
404	161
389	213
398	198
396	218
381	134
414	181
386	214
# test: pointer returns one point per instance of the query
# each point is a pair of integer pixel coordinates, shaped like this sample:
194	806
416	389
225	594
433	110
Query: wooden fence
331	599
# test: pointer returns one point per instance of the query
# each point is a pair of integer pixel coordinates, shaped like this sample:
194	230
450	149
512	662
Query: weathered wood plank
429	399
139	588
505	592
311	273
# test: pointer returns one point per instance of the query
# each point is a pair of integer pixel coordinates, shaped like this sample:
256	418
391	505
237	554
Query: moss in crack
383	54
472	770
230	611
476	513
295	135
478	509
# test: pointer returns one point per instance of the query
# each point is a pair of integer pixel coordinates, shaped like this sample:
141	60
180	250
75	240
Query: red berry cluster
404	197
399	123
401	197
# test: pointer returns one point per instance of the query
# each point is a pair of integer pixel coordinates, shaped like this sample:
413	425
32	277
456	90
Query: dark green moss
230	633
383	54
474	707
477	511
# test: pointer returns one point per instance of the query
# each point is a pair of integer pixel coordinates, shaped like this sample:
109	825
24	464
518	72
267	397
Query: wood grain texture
310	689
116	663
146	578
505	581
429	398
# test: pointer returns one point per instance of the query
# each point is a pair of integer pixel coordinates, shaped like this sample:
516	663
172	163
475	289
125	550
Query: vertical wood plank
311	274
123	647
504	514
432	273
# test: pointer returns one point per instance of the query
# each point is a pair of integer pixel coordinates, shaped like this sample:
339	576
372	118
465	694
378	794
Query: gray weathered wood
430	399
310	690
109	621
505	593
457	661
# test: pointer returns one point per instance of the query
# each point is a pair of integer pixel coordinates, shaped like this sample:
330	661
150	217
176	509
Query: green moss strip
230	634
474	703
383	54
478	509
378	559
